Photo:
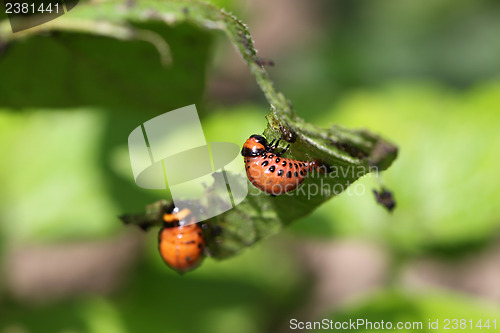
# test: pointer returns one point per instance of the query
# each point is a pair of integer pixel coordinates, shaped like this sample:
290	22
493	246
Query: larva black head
169	209
174	216
255	145
259	139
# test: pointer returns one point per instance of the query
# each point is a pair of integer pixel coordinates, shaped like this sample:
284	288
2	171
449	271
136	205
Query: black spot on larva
296	166
289	174
199	234
190	242
272	168
295	174
277	160
264	155
265	163
271	156
302	173
284	163
280	172
291	165
188	259
200	245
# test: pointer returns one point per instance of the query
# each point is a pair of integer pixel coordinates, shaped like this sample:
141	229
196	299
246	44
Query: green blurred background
424	74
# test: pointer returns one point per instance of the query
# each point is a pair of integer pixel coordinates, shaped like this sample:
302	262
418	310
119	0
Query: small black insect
385	198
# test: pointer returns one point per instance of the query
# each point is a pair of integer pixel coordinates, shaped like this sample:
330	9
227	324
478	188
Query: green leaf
65	114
